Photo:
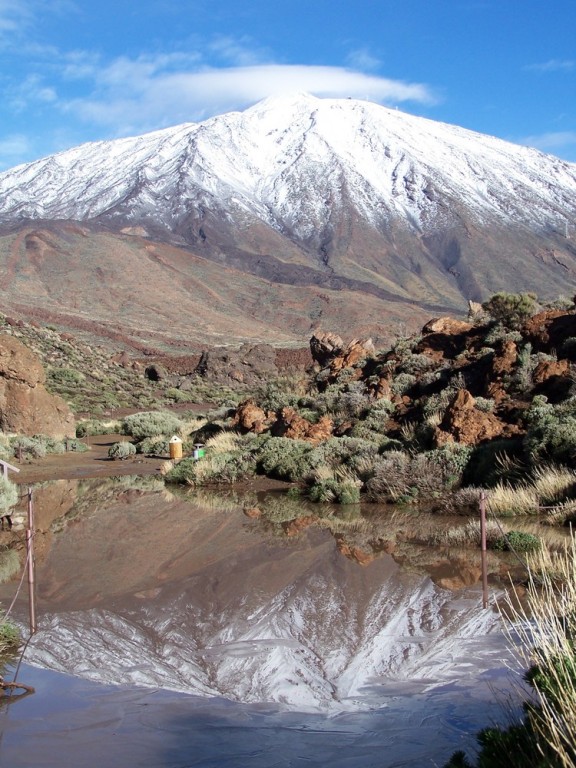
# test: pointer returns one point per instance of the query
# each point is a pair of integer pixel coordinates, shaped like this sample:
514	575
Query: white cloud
551	141
363	60
554	65
139	94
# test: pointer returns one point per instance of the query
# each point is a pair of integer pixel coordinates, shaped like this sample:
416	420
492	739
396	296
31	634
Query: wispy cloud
553	65
12	148
137	94
362	59
552	141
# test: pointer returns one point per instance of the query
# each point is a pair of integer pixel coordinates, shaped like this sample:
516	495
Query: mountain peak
335	194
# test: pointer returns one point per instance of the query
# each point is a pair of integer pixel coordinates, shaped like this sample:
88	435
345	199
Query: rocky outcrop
249	417
331	354
503	364
356	350
444	337
250	365
464	423
290	424
549	329
324	347
26	407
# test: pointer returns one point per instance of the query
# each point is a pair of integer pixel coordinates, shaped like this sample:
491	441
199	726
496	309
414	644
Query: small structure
175	444
198	451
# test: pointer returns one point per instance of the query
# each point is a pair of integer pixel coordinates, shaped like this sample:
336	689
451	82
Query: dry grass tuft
545	623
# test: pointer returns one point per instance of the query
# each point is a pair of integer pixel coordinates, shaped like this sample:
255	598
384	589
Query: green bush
151	424
121	450
285	459
30	447
334	491
517	541
8	494
511	309
551	433
9	638
155	446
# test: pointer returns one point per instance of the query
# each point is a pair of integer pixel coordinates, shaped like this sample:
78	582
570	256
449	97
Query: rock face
464	423
290	424
25	406
324	347
250	417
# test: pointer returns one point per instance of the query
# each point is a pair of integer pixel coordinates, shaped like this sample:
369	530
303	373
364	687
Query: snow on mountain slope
289	161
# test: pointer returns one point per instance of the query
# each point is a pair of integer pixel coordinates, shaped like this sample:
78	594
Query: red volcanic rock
25	406
291	424
546	369
464	423
383	389
447	326
251	418
444	337
253	512
325	346
549	329
354	553
356	350
502	364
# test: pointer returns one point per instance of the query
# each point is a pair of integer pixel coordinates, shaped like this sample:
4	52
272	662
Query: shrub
551	432
284	458
8	494
153	446
403	477
151	424
517	541
511	309
121	450
30	447
331	490
65	377
9	638
494	462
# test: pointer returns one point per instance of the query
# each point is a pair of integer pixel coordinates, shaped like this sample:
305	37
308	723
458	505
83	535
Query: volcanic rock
324	347
26	407
250	417
291	424
464	423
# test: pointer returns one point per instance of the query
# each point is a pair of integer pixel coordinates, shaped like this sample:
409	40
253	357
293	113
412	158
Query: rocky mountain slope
296	213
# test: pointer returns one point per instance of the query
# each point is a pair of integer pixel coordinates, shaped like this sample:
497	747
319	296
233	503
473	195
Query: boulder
464	423
324	347
355	351
290	424
249	417
26	407
549	329
448	326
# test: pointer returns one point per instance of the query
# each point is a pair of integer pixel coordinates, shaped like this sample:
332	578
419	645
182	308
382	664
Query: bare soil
91	463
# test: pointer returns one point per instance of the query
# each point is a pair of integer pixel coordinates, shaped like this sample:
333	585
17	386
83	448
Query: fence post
483	547
31	564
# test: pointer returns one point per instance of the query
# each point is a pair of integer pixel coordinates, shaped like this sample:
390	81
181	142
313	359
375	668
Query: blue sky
81	70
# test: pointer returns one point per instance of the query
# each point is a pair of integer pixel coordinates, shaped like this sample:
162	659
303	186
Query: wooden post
30	555
483	547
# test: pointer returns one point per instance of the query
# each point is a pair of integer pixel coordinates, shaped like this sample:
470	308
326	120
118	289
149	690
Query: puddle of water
252	647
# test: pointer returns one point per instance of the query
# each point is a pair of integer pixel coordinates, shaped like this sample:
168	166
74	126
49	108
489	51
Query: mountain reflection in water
215	595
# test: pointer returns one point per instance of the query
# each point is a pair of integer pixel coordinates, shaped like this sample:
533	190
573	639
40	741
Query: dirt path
91	463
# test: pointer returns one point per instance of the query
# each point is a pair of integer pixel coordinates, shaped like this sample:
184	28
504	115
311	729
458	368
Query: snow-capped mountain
324	193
